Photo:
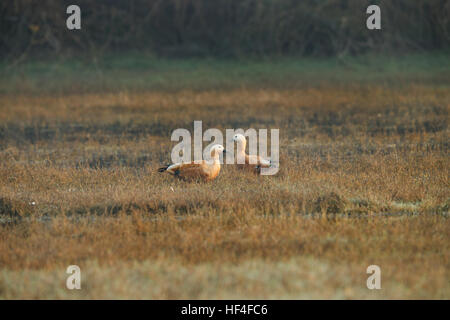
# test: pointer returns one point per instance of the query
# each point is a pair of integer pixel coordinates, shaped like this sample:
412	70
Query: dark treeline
231	28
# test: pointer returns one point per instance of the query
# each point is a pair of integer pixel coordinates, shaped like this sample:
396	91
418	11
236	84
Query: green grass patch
138	71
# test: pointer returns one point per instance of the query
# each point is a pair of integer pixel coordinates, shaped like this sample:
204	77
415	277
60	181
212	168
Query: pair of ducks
207	171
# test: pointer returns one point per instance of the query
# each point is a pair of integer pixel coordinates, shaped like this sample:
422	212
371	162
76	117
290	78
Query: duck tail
162	169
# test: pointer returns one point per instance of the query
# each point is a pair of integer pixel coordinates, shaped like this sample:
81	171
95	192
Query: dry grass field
364	180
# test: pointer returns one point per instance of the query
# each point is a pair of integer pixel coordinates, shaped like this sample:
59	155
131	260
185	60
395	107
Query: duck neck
241	147
216	159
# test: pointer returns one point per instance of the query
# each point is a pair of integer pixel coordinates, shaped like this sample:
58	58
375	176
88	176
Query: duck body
252	163
197	170
190	171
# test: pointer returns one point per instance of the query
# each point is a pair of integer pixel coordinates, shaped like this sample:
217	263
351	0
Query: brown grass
364	180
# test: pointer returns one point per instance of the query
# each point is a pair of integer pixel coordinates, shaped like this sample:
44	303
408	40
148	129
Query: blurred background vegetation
219	44
222	28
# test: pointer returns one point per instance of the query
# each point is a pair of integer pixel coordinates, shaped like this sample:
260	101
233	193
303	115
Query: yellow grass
364	180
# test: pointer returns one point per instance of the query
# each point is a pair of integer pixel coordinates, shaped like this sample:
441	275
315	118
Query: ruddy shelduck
250	162
205	170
